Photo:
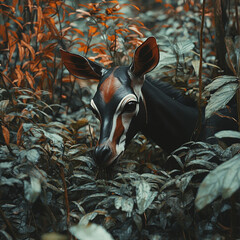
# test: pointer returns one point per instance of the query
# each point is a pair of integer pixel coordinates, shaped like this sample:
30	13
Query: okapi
126	102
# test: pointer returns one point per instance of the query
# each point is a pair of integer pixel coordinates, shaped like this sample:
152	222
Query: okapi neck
170	121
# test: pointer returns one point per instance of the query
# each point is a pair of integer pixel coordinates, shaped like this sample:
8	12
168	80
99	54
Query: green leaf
228	134
183	47
32	190
9	181
33	155
3	105
126	204
91	231
224	180
220	98
219	82
144	195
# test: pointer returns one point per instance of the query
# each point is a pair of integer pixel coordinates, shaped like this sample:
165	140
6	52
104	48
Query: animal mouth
113	161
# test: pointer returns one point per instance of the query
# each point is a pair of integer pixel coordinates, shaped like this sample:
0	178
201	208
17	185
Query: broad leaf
9	181
224	180
228	134
33	155
144	195
91	231
32	190
185	46
219	82
220	98
126	204
3	105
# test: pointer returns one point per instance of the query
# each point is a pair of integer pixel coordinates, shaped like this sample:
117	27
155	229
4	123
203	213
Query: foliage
50	186
120	34
225	87
224	180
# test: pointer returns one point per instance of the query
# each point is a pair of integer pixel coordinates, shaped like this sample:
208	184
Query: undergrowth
50	185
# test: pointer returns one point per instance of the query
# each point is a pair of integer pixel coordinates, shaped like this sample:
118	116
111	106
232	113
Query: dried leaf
19	134
78	31
79	124
186	7
6	134
135	29
196	64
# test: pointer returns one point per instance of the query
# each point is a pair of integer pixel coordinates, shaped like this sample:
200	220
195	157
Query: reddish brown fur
119	129
109	87
118	132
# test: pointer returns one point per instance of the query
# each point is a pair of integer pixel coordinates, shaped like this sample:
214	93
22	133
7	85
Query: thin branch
61	168
236	10
9	225
199	124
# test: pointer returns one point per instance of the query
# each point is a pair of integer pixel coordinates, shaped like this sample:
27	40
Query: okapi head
118	99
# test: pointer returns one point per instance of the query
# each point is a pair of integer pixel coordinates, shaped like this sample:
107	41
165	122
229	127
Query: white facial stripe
95	107
126	120
128	98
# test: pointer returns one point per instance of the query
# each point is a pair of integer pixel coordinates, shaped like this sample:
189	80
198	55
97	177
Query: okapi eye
129	107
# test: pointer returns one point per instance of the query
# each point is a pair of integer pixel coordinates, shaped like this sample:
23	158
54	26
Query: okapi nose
102	155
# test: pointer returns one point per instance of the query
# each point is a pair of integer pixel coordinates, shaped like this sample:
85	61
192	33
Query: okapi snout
102	155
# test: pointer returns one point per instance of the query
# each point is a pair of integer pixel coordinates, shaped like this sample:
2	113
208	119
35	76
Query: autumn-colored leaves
31	33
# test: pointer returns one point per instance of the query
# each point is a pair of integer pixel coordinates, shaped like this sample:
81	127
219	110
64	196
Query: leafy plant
119	33
49	183
225	87
224	181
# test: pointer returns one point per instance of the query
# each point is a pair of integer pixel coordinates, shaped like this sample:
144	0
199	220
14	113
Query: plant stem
236	10
199	124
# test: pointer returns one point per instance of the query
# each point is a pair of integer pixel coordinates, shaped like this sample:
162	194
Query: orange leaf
136	30
29	47
30	79
20	75
16	21
78	31
14	3
21	52
40	17
186	7
6	134
19	134
111	38
167	5
93	31
82	13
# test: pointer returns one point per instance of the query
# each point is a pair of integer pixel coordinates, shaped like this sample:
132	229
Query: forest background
50	187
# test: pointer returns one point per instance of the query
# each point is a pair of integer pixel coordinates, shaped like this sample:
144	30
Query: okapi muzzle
118	100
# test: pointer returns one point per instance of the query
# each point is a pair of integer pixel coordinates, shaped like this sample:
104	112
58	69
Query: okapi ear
80	66
146	57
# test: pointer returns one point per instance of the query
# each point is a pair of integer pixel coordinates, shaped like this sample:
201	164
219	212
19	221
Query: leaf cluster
48	179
